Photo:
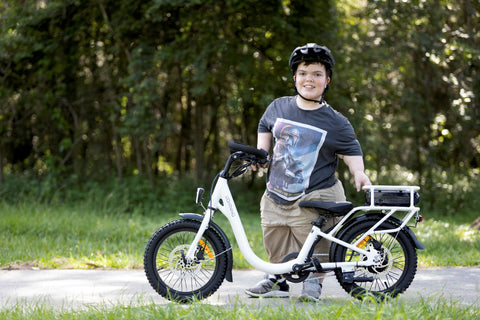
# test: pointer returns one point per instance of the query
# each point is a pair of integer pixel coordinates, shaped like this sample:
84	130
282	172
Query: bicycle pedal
348	277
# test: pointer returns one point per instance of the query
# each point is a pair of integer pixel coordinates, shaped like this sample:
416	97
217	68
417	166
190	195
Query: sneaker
312	289
269	288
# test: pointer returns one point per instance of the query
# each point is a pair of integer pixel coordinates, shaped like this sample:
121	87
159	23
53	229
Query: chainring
294	277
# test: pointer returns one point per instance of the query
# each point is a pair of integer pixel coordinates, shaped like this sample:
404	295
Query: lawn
81	236
87	235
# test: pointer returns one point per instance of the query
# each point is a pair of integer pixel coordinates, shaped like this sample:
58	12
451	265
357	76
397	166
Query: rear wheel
168	271
392	276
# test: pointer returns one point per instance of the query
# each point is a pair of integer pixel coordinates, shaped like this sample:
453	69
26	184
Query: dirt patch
21	266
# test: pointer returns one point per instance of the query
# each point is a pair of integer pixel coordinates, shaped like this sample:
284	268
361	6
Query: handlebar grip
237	146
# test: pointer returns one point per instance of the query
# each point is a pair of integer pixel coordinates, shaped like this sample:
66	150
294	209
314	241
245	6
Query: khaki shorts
286	227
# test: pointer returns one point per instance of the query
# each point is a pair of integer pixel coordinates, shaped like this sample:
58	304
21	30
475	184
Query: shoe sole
271	294
306	298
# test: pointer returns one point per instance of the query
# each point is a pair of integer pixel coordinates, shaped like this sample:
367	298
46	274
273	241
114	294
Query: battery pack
391	198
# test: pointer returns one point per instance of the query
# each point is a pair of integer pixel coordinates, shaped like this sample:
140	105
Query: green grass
109	228
394	309
65	236
81	236
448	243
107	224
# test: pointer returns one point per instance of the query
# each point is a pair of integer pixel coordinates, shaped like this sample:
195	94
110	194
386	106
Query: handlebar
242	152
260	154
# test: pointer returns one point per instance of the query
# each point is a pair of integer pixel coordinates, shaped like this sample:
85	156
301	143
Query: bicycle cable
211	188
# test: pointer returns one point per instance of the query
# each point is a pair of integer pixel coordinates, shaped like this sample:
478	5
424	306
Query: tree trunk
198	140
1	168
118	152
138	154
148	164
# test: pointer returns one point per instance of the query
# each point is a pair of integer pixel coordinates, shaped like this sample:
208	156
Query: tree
156	88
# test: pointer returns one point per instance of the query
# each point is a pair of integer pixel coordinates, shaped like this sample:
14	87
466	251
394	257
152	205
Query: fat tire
170	276
400	264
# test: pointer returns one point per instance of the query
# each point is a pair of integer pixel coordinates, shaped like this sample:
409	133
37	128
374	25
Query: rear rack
391	196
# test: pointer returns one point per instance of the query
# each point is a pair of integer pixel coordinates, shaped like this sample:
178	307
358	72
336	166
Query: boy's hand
361	180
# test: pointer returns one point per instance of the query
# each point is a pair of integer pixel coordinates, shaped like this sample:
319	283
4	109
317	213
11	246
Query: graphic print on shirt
295	153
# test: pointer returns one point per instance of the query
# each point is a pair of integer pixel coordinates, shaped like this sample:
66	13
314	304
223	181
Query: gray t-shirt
305	147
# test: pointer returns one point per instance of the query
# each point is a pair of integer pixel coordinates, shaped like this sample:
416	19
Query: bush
444	192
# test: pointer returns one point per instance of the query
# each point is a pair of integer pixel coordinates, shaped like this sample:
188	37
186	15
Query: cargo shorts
286	227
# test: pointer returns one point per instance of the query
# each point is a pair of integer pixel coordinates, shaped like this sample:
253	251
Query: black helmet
312	52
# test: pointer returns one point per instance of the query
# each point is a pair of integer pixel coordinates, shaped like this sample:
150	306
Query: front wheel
392	276
177	279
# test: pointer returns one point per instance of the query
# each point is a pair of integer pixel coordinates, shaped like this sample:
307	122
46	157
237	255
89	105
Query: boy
308	138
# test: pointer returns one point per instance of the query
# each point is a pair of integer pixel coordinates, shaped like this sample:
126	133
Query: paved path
81	288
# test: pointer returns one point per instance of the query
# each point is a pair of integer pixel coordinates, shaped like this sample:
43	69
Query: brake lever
239	171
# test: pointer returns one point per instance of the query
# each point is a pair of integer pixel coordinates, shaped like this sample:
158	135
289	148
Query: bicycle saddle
334	208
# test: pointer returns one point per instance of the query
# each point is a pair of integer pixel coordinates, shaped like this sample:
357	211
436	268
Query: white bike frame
222	201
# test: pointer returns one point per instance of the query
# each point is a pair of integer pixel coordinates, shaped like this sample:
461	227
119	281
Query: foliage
412	72
155	88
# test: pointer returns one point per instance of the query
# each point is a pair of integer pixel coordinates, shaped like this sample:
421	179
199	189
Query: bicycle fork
190	256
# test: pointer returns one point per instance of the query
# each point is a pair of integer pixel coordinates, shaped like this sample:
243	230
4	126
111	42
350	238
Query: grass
109	228
64	237
448	243
82	236
351	309
44	236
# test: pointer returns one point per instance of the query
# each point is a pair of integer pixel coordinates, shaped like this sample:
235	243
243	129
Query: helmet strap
311	100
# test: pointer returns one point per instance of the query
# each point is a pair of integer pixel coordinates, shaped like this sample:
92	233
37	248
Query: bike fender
394	220
214	226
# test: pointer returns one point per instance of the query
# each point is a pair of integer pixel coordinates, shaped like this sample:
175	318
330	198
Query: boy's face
311	80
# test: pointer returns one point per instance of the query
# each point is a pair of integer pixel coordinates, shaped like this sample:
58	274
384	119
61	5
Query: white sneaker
312	289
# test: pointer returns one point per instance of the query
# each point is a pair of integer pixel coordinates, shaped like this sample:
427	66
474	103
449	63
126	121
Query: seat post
319	223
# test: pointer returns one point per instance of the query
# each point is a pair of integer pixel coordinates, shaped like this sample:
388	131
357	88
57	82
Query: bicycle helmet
312	52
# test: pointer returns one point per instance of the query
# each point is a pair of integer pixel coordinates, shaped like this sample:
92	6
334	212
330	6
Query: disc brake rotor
178	265
384	266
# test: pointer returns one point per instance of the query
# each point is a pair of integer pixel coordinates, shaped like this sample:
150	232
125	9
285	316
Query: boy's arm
264	141
357	169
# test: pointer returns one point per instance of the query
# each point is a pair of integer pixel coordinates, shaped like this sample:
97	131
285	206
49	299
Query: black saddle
333	208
